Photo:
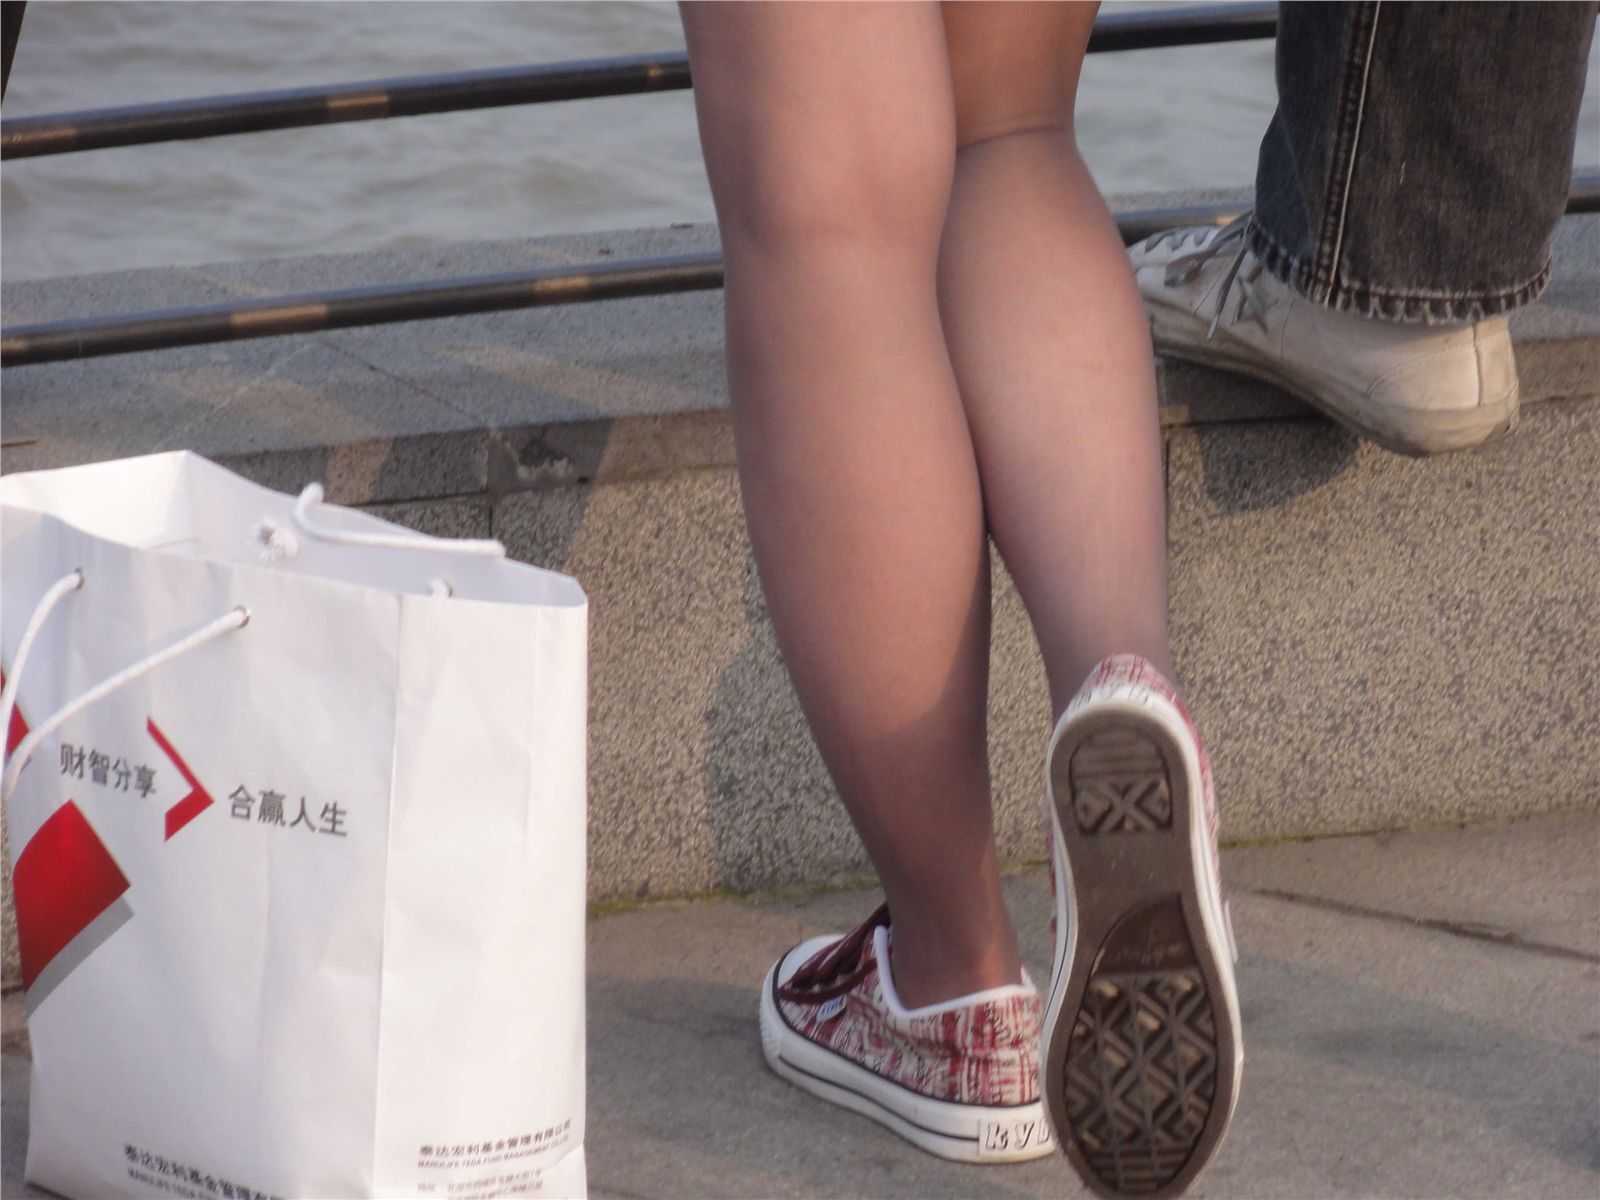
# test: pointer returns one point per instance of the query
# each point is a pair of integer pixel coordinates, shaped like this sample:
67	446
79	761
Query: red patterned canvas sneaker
1142	1050
960	1079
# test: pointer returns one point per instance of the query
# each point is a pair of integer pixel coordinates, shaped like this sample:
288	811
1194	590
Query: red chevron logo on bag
19	727
198	799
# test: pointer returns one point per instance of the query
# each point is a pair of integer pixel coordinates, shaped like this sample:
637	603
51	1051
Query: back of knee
865	187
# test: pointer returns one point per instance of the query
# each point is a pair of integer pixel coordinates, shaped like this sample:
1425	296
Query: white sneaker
1413	389
959	1079
1142	1048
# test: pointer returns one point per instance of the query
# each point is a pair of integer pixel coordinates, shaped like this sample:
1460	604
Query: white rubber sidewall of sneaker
964	1132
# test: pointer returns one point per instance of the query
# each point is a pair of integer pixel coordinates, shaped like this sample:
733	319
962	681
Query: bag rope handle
306	524
236	618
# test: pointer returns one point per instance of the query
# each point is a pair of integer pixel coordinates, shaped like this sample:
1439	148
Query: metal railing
415	96
57	341
312	312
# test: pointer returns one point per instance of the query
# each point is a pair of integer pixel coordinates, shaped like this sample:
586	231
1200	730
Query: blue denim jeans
1421	153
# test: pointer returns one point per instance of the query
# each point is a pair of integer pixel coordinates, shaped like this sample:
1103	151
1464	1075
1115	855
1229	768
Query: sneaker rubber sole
1142	1044
968	1133
1414	434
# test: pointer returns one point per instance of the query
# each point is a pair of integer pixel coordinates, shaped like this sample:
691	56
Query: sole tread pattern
1119	785
1141	1075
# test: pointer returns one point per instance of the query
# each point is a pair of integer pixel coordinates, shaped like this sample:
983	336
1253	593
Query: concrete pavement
1421	1014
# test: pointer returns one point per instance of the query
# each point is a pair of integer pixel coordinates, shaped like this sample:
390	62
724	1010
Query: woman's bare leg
829	137
1050	346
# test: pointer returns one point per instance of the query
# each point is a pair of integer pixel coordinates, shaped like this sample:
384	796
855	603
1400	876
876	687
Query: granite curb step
1369	642
531	400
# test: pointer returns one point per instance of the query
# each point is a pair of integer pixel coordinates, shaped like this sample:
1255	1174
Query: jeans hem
1396	304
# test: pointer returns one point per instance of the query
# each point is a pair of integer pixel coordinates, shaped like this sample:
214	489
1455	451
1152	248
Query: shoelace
836	968
1179	237
1185	267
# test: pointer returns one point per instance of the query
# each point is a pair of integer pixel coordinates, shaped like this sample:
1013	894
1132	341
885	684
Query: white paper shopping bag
298	844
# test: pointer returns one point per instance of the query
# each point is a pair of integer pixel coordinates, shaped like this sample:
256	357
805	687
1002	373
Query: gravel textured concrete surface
1371	641
1421	1014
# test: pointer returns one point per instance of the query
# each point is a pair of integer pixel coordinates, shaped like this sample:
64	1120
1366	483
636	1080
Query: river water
1149	120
